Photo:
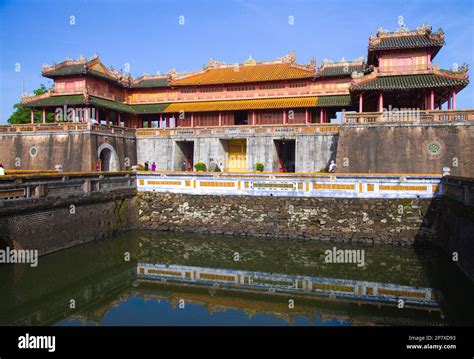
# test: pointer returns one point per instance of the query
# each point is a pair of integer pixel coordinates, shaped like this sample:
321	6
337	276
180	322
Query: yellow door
237	150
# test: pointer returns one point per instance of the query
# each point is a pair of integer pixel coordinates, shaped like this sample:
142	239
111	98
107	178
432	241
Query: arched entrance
108	158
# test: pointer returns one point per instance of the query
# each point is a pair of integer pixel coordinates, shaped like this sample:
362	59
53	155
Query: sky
151	36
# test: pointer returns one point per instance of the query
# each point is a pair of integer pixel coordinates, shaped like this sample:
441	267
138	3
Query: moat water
98	284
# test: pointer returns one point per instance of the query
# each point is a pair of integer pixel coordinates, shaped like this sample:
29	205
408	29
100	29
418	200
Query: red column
285	118
306	119
321	115
449	102
432	102
192	120
32	116
254	118
44	115
380	102
454	99
361	103
161	120
220	119
119	120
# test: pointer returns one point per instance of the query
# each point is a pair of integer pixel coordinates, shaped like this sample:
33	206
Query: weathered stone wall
313	152
407	148
455	222
50	225
74	151
389	221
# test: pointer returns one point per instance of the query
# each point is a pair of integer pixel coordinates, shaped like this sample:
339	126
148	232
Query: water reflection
199	280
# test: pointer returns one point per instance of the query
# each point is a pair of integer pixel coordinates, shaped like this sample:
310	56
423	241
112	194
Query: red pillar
380	102
449	102
432	102
361	102
306	119
220	119
321	115
32	116
161	120
285	118
454	99
44	115
192	120
254	118
119	120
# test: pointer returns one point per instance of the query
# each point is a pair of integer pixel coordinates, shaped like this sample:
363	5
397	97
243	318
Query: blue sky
148	34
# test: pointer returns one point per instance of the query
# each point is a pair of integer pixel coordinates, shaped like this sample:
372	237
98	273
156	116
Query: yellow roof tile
231	105
245	74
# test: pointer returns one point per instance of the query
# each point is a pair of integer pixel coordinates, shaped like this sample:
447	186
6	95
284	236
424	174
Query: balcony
245	131
405	69
408	116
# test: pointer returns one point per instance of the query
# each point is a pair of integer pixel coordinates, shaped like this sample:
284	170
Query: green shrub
200	166
324	170
259	166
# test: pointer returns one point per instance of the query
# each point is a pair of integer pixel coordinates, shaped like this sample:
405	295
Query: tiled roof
400	82
56	101
245	74
109	104
254	104
150	108
69	100
147	83
66	71
342	70
336	100
403	42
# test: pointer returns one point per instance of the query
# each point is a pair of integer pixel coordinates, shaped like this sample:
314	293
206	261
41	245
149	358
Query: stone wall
51	225
74	151
407	148
455	222
390	221
313	152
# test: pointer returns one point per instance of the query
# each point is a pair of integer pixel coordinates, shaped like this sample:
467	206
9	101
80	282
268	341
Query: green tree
23	114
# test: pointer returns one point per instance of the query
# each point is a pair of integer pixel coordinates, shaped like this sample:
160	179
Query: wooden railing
408	116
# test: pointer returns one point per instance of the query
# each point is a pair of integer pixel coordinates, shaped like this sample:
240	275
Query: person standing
332	167
153	167
147	166
2	170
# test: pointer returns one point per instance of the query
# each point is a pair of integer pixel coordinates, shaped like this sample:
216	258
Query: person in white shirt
2	170
332	167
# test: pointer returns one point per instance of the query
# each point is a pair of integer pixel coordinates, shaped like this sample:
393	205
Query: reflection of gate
237	150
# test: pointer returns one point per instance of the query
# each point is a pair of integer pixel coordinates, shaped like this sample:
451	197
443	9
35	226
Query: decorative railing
244	130
408	115
460	189
356	185
67	127
17	187
405	69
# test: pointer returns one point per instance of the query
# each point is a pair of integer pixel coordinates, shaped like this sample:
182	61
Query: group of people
147	166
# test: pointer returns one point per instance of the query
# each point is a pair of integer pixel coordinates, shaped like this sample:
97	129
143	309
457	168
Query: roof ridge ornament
290	57
250	61
401	25
214	64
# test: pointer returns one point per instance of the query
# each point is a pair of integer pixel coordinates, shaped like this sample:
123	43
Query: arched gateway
108	158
